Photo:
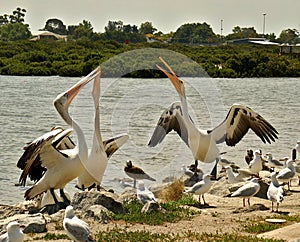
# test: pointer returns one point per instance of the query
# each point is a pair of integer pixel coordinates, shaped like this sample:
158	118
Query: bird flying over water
203	143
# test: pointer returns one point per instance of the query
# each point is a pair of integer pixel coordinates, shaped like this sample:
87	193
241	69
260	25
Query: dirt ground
223	215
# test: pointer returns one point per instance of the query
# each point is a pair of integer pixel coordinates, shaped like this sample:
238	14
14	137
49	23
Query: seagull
76	229
249	156
43	162
201	187
234	177
144	194
275	191
273	163
101	151
298	146
287	174
136	173
256	165
13	234
203	143
248	190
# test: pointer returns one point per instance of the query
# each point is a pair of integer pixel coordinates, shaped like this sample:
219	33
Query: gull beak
73	91
172	76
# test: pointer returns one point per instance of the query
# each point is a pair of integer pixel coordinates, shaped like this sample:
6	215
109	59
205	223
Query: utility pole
221	29
264	24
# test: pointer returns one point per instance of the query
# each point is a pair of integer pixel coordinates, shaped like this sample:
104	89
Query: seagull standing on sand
234	177
275	191
76	229
136	173
201	187
287	174
247	191
203	143
144	194
273	163
256	165
13	234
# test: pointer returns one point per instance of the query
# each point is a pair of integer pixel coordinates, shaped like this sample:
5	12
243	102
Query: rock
84	200
128	195
99	213
150	206
33	223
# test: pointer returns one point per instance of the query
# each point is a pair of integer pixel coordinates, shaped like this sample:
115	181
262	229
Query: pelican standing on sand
62	166
101	151
203	143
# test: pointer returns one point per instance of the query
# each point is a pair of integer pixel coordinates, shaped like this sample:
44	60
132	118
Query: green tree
83	30
195	33
17	16
241	33
147	28
15	31
56	26
290	36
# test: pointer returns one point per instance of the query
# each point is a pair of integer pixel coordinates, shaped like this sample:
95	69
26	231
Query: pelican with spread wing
203	143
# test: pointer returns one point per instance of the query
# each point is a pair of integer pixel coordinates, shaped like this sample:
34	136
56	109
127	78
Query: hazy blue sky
166	15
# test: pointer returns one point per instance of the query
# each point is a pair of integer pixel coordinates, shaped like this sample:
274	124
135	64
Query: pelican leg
63	195
53	195
195	177
249	202
134	183
244	204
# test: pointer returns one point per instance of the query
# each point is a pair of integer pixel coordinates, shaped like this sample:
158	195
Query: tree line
12	27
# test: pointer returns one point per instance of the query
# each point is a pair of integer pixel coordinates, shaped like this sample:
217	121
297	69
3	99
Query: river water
134	106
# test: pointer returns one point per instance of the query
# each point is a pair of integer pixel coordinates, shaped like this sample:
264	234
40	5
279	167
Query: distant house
47	35
258	41
293	51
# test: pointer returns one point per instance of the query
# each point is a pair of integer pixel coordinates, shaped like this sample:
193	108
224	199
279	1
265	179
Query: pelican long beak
74	90
172	76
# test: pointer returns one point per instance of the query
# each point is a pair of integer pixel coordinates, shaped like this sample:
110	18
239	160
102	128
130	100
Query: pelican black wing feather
170	119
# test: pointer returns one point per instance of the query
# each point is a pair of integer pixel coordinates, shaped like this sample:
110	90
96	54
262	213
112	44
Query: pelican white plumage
76	229
13	234
275	191
248	190
51	167
203	143
101	151
201	187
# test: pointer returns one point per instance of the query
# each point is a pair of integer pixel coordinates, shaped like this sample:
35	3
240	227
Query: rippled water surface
133	106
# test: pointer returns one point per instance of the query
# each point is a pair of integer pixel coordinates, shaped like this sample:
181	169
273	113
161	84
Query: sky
165	15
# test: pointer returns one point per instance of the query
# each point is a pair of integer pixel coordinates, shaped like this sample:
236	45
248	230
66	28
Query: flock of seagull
53	159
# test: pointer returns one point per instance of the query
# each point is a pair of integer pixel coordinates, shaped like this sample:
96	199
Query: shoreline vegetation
77	58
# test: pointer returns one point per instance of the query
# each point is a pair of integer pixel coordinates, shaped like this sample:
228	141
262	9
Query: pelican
101	151
203	143
53	168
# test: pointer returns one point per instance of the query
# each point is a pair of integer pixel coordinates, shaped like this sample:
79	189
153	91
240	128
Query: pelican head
177	83
63	100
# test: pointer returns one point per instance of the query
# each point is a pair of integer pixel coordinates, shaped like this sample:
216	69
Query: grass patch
171	212
261	227
52	236
118	234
